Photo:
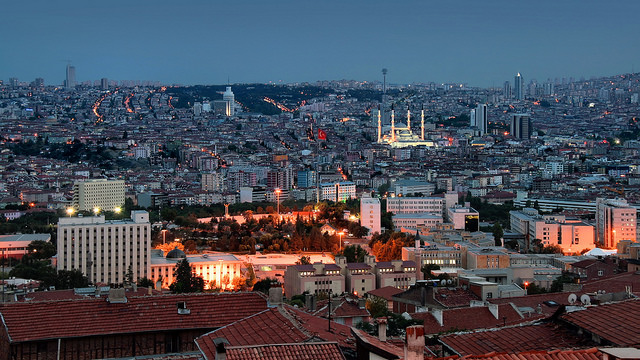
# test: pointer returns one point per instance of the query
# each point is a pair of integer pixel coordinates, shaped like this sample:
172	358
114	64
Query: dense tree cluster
388	245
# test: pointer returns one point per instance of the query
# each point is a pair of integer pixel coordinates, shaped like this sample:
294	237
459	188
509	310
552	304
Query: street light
70	211
526	283
277	191
117	210
340	234
164	233
96	210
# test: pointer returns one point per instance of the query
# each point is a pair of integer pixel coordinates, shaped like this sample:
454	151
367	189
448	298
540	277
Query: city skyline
467	42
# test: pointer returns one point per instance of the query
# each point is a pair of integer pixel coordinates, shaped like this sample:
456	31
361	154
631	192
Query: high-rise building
482	122
506	90
472	118
105	250
104	84
98	193
615	221
197	108
229	99
521	127
13	82
518	86
70	81
370	215
39	82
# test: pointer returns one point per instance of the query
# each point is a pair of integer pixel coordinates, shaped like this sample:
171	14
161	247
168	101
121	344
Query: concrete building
615	221
397	273
487	259
518	90
464	218
98	193
338	192
317	278
443	256
359	277
219	271
370	215
521	126
408	187
413	205
423	220
16	246
105	250
212	181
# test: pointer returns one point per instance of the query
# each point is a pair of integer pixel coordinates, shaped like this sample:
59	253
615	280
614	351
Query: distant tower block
70	81
518	87
393	125
229	99
379	125
422	123
408	118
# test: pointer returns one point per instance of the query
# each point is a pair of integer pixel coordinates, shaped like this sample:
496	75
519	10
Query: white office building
98	193
338	192
413	205
370	215
104	250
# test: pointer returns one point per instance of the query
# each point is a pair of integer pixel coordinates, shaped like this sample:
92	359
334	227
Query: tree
377	306
145	282
128	278
498	233
304	260
184	281
427	270
264	285
354	253
40	249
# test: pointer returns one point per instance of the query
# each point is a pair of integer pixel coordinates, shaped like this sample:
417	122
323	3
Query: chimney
437	313
362	303
221	353
414	343
310	302
275	296
494	310
117	296
149	291
370	260
135	287
382	328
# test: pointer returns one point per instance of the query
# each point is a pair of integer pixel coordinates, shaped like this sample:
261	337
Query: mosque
400	135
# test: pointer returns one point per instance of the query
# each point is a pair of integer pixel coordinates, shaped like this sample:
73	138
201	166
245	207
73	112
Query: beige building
615	221
217	270
98	193
315	279
359	277
487	259
397	273
415	205
104	250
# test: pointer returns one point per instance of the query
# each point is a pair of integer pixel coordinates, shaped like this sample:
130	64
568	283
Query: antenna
585	299
572	298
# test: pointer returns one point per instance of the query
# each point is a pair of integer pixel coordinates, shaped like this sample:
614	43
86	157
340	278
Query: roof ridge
295	322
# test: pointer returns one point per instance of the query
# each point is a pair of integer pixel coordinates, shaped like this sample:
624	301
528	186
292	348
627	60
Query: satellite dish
572	298
585	299
449	281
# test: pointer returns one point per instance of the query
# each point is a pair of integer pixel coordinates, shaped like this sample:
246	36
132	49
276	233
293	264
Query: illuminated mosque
401	135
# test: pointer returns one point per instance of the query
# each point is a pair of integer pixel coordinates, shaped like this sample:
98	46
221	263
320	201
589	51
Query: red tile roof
513	339
281	325
385	292
377	343
618	323
70	294
584	354
470	318
30	321
306	351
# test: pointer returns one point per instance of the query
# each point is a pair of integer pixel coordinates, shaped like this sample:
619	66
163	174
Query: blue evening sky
482	43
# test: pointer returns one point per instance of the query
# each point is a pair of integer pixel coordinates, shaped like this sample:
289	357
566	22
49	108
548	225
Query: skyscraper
229	99
482	122
518	90
521	126
506	90
615	221
70	81
104	84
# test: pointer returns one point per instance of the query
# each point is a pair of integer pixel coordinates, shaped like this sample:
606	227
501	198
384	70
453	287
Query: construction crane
617	191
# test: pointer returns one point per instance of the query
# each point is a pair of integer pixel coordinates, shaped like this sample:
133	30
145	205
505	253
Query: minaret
393	125
422	123
379	125
408	119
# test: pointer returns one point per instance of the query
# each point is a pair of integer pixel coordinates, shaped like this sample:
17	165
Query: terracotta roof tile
284	324
583	354
385	292
90	317
513	339
470	318
307	351
618	323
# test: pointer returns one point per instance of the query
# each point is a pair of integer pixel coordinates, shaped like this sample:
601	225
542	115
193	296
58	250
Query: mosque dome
176	254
